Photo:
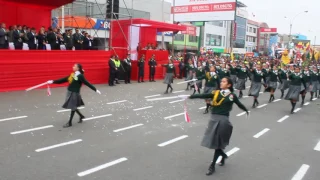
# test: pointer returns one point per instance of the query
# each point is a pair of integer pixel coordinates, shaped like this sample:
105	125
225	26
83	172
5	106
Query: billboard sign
191	30
204	10
268	30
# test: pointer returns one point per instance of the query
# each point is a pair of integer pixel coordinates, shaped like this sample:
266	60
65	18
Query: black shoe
222	162
211	170
254	105
67	125
153	81
302	103
142	81
81	119
117	83
270	99
138	81
206	111
171	90
150	81
311	98
292	111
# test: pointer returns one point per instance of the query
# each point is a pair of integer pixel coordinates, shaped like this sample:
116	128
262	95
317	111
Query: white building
252	35
217	36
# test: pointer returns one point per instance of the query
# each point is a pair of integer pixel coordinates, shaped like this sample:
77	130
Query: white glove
98	91
50	82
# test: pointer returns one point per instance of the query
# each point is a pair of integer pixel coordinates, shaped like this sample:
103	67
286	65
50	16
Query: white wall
249	44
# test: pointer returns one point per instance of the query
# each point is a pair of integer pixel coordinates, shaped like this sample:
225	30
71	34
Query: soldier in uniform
127	67
118	64
141	68
152	66
112	70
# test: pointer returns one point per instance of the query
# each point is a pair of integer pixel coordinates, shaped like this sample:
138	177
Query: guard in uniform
152	67
127	67
118	64
112	70
141	68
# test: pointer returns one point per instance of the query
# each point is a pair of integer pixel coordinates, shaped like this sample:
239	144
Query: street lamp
291	21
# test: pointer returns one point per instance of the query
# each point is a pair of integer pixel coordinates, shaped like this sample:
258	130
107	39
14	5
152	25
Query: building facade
216	36
240	31
251	35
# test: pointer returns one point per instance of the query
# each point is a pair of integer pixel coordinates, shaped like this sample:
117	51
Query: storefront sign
191	30
268	30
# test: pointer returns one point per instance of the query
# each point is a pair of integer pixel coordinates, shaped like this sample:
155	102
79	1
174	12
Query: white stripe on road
317	148
152	96
203	107
169	117
314	99
33	129
126	128
296	110
241	114
277	100
172	141
248	87
283	118
261	106
138	109
306	104
260	92
176	101
117	102
301	172
66	110
261	133
245	96
13	118
58	145
174	92
103	166
97	117
229	153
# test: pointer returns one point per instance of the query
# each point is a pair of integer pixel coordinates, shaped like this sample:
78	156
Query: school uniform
256	83
314	81
233	74
242	74
284	83
297	85
170	72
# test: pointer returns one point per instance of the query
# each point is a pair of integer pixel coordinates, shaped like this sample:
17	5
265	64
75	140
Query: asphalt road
126	137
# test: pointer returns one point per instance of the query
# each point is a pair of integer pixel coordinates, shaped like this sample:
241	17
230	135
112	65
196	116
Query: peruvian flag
186	115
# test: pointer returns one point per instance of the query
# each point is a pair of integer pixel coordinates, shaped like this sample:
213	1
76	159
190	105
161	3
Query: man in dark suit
68	39
32	39
17	37
112	70
77	40
87	42
3	36
52	39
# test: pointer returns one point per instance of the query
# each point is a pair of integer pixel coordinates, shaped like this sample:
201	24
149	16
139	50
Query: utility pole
172	43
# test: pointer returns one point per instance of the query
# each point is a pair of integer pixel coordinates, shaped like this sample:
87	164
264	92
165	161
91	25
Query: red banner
234	31
268	30
228	6
191	30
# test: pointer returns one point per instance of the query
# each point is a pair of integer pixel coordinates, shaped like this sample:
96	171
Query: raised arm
60	81
84	81
201	96
239	104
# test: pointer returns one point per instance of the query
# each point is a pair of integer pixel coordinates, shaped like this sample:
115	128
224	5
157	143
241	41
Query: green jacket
76	83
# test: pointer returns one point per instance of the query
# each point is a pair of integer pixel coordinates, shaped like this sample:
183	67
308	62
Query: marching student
283	77
297	87
199	74
307	80
190	71
255	88
315	82
212	83
223	72
273	82
170	74
242	75
73	99
265	70
219	129
233	72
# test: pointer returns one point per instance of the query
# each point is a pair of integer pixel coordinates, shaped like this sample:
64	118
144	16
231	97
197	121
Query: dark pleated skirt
273	85
315	85
284	85
255	89
73	101
294	92
234	79
218	132
241	84
168	79
308	89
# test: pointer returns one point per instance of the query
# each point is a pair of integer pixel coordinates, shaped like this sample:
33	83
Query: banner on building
268	30
234	31
191	30
204	10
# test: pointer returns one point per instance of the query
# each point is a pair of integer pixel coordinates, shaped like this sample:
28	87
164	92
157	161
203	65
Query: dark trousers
117	75
181	73
78	46
69	48
18	46
112	76
152	73
141	75
32	46
3	46
127	76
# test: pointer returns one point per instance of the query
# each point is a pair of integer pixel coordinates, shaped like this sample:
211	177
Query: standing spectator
52	39
77	40
68	39
17	37
41	40
127	67
112	70
152	68
32	41
10	34
87	42
3	36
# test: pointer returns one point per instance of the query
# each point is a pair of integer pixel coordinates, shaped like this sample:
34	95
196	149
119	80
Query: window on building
179	37
247	39
253	39
216	23
254	30
193	38
213	40
250	30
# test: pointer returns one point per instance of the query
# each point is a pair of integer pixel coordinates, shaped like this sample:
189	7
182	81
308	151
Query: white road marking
241	114
66	110
164	98
277	100
203	107
296	110
152	96
261	133
306	104
33	129
283	118
58	145
13	118
314	99
97	117
169	117
103	166
126	128
260	92
317	148
138	109
261	106
176	101
174	92
301	172
245	96
117	102
229	153
172	141
248	87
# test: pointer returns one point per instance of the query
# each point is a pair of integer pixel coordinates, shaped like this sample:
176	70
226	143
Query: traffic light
115	5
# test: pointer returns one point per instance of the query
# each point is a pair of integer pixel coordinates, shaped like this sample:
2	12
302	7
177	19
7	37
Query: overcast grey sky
273	12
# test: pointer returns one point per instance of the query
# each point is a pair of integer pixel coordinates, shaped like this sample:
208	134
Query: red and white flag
186	115
48	90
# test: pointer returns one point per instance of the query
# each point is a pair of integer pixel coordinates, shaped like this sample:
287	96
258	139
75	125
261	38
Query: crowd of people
23	37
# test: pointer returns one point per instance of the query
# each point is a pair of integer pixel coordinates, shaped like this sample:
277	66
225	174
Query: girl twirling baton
73	99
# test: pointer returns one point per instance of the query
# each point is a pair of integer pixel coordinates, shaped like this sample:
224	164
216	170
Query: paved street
126	137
